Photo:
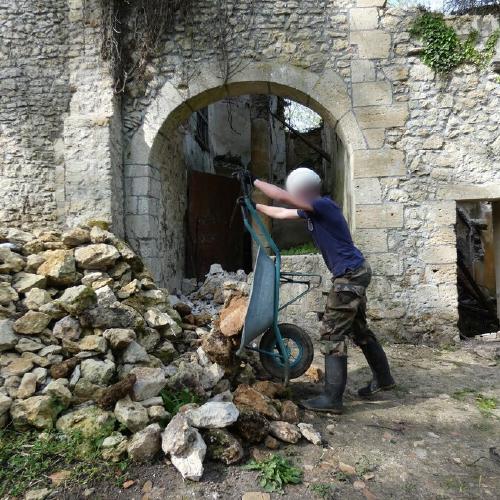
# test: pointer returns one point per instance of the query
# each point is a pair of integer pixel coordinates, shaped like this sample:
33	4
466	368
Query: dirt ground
427	439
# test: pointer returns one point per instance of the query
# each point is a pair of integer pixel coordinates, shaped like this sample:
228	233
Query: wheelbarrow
285	350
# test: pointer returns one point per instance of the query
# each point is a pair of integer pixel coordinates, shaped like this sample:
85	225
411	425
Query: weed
363	466
28	458
275	472
172	401
486	405
340	476
323	490
304	249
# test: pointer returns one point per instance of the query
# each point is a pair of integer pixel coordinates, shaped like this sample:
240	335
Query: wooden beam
307	142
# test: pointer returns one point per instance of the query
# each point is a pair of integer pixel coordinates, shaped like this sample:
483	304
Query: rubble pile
89	343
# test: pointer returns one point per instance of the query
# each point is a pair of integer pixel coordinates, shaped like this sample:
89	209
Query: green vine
443	50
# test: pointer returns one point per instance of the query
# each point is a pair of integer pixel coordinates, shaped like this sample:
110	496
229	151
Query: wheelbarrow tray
261	306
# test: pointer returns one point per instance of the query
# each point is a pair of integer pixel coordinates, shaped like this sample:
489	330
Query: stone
33	262
178	435
213	415
190	462
8	339
37	297
10	262
156	318
27	387
105	296
7	294
219	348
112	394
284	431
314	374
106	317
59	267
67	328
158	414
166	352
5	403
248	397
223	446
131	414
372	44
94	343
114	447
251	426
149	382
393	115
76	299
96	371
37	494
134	353
36	411
129	289
31	323
144	445
271	443
75	237
255	495
379	163
119	338
310	433
58	390
362	70
98	256
16	367
290	412
90	421
64	369
232	317
270	389
363	18
372	93
28	345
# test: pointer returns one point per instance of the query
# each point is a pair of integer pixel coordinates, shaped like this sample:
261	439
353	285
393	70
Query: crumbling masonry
73	150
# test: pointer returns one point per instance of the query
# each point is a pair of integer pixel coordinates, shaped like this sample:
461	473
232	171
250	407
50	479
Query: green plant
172	401
28	458
304	249
323	490
486	405
275	472
443	49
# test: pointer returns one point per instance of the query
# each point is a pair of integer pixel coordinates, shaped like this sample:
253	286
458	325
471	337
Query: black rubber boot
382	378
335	380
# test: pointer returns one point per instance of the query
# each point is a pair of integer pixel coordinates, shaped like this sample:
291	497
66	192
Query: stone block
378	163
375	137
438	254
367	190
394	115
379	216
469	191
330	89
371	93
362	70
441	213
372	44
371	240
386	264
440	273
396	72
363	18
371	3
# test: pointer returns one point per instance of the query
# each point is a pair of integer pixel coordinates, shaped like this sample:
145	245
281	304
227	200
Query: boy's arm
281	196
278	212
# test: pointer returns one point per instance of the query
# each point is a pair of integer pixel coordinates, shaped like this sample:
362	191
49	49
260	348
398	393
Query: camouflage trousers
345	312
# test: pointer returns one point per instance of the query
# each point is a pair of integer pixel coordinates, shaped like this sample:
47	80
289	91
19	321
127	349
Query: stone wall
413	143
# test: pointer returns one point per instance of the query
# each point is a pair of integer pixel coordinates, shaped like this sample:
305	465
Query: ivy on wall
443	49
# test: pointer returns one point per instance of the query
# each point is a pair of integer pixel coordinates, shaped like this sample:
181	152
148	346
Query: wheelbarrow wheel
300	350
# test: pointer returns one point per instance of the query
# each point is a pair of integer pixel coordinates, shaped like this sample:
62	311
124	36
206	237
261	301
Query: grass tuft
173	401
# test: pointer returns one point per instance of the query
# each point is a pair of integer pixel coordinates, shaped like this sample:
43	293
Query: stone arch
147	171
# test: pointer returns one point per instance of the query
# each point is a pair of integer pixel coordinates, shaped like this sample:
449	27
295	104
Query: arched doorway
154	171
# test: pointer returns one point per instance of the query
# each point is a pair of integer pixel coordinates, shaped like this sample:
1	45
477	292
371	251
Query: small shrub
304	249
275	472
486	405
172	401
323	490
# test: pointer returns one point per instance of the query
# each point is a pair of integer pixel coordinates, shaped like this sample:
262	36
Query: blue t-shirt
331	235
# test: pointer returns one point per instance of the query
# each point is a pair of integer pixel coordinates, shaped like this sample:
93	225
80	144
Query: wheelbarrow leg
284	354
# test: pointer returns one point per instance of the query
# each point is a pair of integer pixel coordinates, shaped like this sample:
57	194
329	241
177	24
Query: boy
345	313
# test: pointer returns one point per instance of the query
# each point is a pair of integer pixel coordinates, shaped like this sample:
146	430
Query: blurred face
307	193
